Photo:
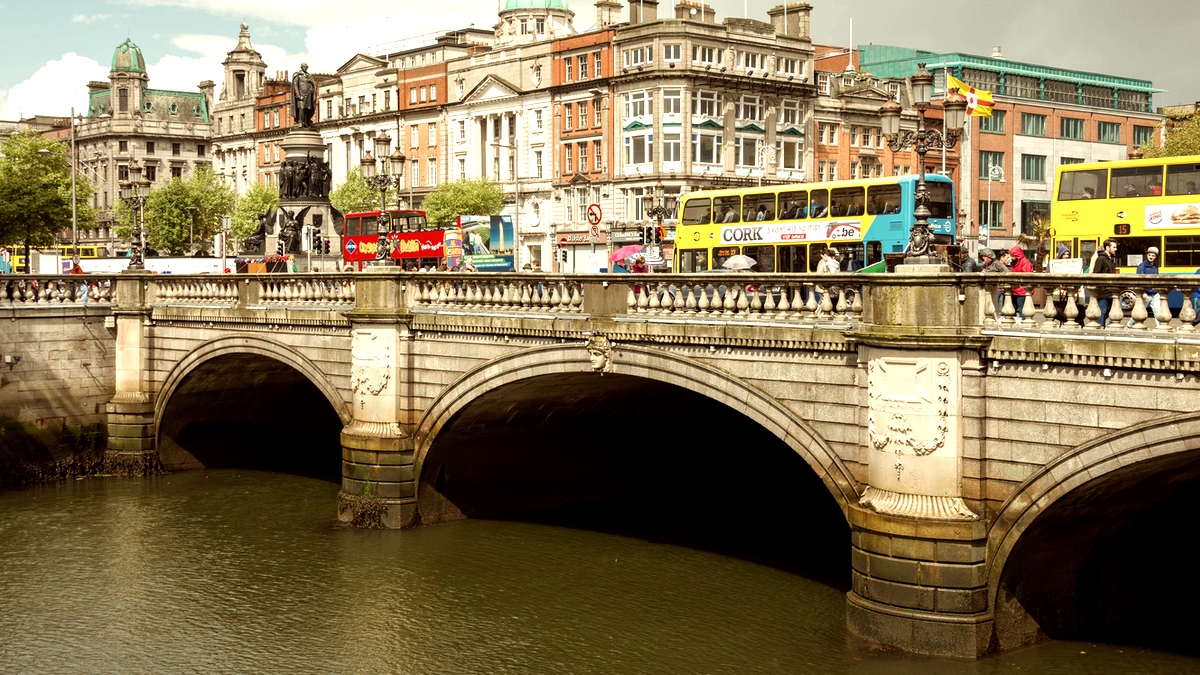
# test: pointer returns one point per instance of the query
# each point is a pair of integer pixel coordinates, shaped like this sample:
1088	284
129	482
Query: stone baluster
1007	310
642	301
1164	310
1138	316
811	306
1028	310
826	308
769	308
1071	311
730	302
1116	315
756	301
576	297
653	306
841	305
1187	314
689	300
743	302
1091	315
702	304
1049	310
556	298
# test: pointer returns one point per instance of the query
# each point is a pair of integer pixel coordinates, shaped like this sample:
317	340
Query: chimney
691	10
791	19
996	53
608	12
643	11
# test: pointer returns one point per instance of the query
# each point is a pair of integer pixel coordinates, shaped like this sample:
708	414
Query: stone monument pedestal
304	184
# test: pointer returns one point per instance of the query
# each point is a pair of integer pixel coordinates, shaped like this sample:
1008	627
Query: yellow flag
979	101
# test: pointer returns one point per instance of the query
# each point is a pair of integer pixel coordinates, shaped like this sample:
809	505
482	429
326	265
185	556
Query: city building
166	132
234	126
1043	117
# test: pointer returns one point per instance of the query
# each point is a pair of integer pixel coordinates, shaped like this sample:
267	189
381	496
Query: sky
50	52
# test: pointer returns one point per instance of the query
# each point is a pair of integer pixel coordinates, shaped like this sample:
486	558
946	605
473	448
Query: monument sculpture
304	97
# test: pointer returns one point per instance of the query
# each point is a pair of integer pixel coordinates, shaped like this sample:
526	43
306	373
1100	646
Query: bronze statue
256	243
289	231
286	172
304	97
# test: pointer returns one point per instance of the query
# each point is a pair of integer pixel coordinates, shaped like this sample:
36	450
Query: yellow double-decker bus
16	255
1139	202
785	227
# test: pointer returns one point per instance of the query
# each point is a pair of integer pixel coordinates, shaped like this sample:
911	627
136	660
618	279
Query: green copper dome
535	4
128	58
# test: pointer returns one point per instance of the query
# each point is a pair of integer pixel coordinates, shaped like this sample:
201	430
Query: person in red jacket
1019	265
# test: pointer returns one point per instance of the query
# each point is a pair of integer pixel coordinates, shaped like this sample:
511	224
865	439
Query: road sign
594	234
593	214
562	242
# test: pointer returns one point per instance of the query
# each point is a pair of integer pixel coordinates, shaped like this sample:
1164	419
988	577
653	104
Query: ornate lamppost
381	181
134	193
662	206
920	239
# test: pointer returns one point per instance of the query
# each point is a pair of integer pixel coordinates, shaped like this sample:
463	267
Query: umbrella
626	252
739	262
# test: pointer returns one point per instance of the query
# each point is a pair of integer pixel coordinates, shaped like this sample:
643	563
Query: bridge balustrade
1071	303
292	290
474	291
741	296
42	290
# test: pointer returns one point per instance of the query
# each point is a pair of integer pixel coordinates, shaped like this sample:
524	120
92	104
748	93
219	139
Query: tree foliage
260	198
1183	138
35	191
181	216
475	197
356	195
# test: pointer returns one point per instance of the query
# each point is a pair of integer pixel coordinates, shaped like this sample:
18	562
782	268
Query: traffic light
279	247
562	255
642	236
325	246
316	241
658	235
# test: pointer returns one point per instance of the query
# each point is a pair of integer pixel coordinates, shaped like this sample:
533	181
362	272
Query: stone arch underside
635	369
249	402
1087	545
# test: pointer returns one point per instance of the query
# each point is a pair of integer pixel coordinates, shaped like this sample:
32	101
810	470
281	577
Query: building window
431	168
462	130
833	174
596	64
584	117
746	150
568	158
537	163
821	170
750	108
537	120
789	112
414	136
854	131
177	172
987	160
638	104
412	95
523	27
328	108
433	92
752	60
1070	160
706	103
149	147
176	149
791	153
1033	168
639	148
672	52
706	148
200	149
828	134
1071	128
123	100
1033	125
597	160
583	67
638	56
539	25
387	99
993	124
568	113
432	134
991	214
567	77
672	147
462	167
414	172
672	101
424	94
1108	132
706	56
1142	135
583	157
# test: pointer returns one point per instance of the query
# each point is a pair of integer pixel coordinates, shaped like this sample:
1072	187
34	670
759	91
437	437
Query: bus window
697	212
874	252
370	225
883	200
762	206
846	202
1183	179
792	259
941	200
720	255
1182	252
794	205
1086	248
729	209
351	227
820	204
1136	181
765	255
1132	250
1082	184
692	260
852	255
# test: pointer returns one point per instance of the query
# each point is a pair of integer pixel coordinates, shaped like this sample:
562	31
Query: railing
827	297
291	290
554	293
1075	303
45	290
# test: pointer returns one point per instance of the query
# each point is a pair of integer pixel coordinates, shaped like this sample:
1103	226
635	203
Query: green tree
1183	138
476	197
355	195
35	192
260	198
181	216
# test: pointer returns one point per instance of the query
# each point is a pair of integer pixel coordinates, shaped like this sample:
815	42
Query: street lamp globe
383	146
955	106
922	87
890	118
368	165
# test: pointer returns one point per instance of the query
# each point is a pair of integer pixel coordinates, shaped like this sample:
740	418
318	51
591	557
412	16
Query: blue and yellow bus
785	227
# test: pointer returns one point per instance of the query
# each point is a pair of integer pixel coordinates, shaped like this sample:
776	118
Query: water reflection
236	571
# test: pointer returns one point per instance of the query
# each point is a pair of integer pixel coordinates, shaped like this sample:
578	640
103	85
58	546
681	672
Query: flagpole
945	95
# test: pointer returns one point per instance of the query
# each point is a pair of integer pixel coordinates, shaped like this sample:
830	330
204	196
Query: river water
239	571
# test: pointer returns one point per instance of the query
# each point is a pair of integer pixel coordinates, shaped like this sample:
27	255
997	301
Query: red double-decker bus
414	245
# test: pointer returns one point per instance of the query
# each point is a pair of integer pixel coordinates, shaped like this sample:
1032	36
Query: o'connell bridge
987	464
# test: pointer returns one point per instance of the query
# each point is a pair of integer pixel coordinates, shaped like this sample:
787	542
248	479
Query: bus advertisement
786	227
413	245
488	242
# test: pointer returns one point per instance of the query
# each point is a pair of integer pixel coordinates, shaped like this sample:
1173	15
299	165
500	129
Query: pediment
866	92
579	179
491	88
709	124
361	62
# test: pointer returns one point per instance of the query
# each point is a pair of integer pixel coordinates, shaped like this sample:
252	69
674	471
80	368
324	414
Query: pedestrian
639	266
469	266
1105	264
1149	265
995	265
1020	265
618	267
829	262
970	265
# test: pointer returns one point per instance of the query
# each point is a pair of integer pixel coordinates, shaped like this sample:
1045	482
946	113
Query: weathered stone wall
52	400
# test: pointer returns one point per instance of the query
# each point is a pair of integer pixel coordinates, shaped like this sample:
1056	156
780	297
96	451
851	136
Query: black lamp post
134	193
660	208
920	239
382	181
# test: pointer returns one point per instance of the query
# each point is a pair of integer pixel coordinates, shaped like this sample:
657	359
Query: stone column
131	443
378	485
919	579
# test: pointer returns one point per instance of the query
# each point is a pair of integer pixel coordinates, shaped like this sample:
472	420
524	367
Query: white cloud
53	89
89	18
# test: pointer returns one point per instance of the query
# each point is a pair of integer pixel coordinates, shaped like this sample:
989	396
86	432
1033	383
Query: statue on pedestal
304	97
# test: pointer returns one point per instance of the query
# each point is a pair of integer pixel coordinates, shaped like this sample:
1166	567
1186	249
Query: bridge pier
131	443
378	482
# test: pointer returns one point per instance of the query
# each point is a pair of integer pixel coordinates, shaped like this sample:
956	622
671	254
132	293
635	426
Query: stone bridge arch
642	362
240	347
1146	456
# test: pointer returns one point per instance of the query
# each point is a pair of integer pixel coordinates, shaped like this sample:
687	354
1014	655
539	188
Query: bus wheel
1128	299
